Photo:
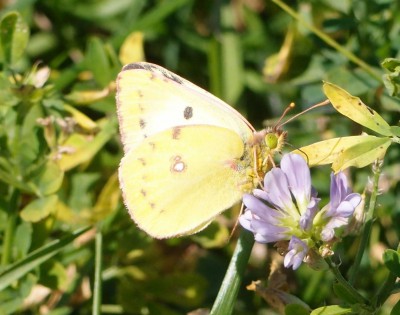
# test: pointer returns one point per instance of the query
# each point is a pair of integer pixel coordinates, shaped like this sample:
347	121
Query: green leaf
353	108
392	79
296	309
232	68
53	275
231	59
9	176
395	130
34	259
23	239
98	63
390	64
343	293
396	309
39	208
391	258
14	36
49	180
331	310
7	98
12	299
157	14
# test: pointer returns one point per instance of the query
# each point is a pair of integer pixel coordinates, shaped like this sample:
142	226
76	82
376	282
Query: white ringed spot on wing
177	164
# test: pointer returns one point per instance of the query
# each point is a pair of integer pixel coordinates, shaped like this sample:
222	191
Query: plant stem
368	222
348	54
225	301
349	288
97	271
214	62
10	228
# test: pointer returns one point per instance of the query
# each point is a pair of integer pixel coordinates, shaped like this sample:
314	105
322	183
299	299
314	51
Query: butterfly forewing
151	99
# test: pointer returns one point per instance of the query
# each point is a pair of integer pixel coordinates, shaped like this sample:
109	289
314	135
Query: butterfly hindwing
179	179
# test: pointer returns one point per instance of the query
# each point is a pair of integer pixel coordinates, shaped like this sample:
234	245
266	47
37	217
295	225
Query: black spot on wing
188	112
154	69
137	65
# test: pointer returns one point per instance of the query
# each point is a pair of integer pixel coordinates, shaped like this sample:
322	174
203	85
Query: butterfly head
268	142
274	140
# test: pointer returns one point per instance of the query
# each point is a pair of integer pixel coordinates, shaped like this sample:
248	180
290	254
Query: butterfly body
187	155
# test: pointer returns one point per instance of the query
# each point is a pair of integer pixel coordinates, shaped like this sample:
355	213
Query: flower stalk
345	284
377	168
225	301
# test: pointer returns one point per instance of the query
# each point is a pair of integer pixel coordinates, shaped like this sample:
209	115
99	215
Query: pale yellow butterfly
187	155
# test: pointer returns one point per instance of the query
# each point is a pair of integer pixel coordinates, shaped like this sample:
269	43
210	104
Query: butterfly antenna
288	108
324	103
304	153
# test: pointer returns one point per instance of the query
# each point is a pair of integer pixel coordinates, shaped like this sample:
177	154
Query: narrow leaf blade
353	108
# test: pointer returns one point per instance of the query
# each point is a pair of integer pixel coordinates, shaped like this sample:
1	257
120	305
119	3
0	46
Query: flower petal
297	251
259	208
307	217
298	174
328	231
277	191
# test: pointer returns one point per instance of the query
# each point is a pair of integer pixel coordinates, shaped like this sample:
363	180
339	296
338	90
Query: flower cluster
287	209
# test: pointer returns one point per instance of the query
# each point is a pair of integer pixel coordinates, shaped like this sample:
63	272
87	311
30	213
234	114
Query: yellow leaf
79	149
353	108
87	97
327	151
132	49
108	199
277	64
81	119
362	154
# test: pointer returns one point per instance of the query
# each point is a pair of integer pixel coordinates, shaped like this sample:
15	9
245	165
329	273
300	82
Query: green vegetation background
60	149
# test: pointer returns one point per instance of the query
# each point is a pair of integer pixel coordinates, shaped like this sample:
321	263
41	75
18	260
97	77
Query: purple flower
286	210
285	207
341	206
296	252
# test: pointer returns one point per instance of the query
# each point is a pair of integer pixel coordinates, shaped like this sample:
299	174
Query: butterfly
188	155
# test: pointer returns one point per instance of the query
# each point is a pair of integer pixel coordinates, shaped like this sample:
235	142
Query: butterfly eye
271	140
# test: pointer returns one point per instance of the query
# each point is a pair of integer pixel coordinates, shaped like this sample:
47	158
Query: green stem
96	310
353	293
225	301
368	223
352	57
214	69
10	228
